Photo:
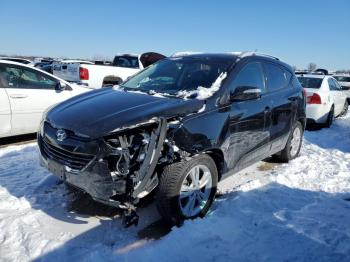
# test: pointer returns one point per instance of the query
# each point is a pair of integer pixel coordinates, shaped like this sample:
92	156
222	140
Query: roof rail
252	53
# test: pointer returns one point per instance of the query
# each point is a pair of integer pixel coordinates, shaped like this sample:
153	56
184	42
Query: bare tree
311	67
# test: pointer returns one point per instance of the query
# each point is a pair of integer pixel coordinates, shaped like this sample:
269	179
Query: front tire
187	189
293	146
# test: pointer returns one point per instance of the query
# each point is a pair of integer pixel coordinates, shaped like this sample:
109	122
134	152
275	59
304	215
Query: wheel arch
218	156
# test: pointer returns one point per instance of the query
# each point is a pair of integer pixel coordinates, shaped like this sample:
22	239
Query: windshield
126	61
342	78
310	82
175	75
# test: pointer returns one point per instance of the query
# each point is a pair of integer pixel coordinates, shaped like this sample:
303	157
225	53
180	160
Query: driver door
30	93
249	120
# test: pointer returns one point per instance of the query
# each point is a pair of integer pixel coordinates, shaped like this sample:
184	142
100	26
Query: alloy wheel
195	190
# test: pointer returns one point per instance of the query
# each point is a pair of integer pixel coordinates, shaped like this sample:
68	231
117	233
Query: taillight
84	73
314	99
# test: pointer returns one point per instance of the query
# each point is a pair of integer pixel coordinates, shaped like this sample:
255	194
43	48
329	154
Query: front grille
75	161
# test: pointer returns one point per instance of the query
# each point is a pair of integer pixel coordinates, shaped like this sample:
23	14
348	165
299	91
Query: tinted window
9	76
337	84
342	78
296	83
310	82
333	85
126	61
277	77
251	75
288	75
16	77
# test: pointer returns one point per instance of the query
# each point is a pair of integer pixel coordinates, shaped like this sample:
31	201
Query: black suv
177	128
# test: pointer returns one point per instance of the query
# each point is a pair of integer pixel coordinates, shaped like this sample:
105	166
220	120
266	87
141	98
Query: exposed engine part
132	160
152	155
133	156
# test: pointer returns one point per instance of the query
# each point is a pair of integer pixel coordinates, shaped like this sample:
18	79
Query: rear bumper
317	113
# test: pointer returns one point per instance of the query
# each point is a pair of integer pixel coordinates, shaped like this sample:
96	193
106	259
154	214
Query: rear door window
9	76
277	77
251	75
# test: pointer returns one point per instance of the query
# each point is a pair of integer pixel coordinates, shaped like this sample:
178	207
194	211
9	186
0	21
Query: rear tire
293	146
187	189
330	118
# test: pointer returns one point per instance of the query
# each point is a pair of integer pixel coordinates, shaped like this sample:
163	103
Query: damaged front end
117	169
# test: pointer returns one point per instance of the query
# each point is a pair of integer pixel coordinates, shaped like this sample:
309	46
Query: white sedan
25	93
325	99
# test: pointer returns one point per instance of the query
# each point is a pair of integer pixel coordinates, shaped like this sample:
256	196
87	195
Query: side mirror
60	86
244	93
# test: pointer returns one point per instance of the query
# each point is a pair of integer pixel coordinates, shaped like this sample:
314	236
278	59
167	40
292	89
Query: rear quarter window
277	77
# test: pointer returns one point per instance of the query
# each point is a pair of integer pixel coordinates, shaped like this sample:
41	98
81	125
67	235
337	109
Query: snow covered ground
269	212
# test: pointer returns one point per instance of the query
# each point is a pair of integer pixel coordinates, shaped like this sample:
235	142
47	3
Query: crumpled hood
100	112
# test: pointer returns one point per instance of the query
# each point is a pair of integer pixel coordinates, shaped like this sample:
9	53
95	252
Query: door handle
18	96
267	110
293	99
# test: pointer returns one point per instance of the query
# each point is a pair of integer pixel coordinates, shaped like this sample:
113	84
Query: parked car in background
98	75
45	66
25	93
18	60
344	81
325	99
176	128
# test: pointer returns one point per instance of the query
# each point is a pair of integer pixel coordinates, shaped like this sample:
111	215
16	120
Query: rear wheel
187	189
293	145
330	118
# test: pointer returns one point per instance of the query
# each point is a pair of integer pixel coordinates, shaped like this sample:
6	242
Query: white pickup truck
97	75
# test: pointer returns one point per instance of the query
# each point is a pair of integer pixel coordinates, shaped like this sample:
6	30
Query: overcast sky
297	31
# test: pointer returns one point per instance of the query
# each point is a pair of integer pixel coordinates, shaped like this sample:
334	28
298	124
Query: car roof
205	55
76	61
232	55
314	76
346	75
17	58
